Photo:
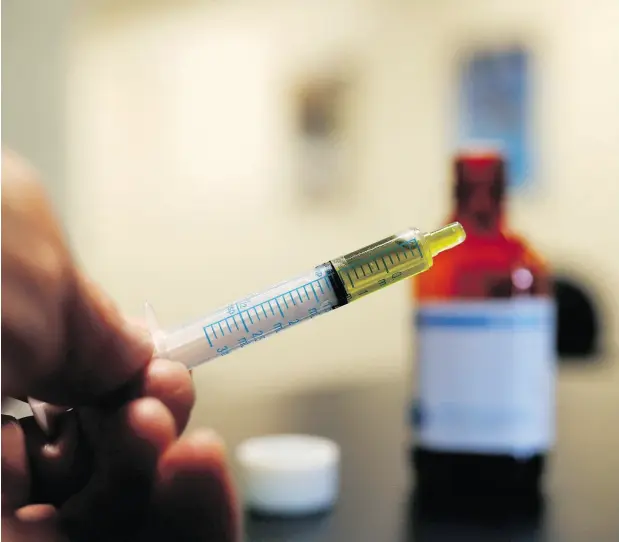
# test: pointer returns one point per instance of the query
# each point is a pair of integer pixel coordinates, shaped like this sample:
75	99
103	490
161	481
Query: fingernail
64	439
182	366
208	436
47	416
163	364
7	418
141	336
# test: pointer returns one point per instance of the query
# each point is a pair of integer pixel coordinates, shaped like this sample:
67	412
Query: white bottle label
486	376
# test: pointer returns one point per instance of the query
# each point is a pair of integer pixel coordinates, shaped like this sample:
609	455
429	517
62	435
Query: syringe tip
445	238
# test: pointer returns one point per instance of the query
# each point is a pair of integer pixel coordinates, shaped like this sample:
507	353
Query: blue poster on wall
494	107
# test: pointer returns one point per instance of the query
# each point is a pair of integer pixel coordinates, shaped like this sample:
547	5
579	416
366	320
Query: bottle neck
480	223
479	196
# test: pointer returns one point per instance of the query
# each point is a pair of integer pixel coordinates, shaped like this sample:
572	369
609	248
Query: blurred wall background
170	151
34	86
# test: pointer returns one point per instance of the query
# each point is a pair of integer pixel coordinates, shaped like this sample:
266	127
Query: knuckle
52	269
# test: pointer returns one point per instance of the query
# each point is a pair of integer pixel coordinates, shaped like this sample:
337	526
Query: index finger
102	351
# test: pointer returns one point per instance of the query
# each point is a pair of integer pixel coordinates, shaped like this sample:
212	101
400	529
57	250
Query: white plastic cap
289	474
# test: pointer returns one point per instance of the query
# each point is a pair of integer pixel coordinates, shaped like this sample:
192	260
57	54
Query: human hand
114	467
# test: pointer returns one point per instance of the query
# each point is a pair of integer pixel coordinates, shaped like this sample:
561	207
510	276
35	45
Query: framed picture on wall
322	139
494	106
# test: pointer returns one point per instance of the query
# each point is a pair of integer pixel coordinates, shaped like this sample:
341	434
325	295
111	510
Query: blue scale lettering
242	310
242	320
314	290
210	343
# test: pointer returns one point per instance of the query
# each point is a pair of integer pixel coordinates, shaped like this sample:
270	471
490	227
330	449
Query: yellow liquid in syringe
393	259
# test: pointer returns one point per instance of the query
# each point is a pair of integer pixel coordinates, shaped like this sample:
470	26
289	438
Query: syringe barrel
253	318
326	287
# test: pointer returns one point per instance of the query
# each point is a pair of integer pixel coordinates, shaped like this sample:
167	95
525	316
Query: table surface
369	423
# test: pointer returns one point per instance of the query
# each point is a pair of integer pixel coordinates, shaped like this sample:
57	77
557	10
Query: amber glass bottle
483	412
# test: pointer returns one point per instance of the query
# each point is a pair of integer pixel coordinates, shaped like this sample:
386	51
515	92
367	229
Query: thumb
103	350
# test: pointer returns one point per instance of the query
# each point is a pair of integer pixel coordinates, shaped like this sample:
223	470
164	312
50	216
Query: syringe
328	286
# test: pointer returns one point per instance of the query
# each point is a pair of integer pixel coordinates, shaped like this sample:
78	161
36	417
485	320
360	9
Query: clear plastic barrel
250	319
